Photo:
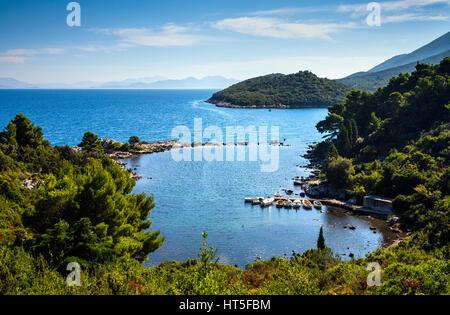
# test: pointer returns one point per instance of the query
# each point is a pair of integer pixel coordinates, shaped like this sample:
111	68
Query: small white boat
267	202
277	195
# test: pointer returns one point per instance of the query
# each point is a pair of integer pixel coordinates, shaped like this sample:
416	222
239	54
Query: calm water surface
192	197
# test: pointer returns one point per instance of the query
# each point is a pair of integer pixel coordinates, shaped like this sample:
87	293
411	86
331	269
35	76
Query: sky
118	40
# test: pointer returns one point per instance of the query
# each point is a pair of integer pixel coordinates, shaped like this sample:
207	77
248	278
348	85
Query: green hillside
371	81
302	89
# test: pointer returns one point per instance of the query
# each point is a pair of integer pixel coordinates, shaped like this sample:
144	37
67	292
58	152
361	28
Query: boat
307	204
277	195
267	202
297	204
302	194
288	204
280	204
249	200
298	183
256	202
290	192
318	205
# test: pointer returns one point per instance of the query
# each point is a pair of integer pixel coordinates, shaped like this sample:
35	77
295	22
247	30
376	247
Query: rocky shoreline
229	105
145	148
314	188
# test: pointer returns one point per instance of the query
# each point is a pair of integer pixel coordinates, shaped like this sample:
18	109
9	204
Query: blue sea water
192	197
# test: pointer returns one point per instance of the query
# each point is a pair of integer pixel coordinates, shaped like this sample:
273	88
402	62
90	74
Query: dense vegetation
59	206
302	89
396	143
63	206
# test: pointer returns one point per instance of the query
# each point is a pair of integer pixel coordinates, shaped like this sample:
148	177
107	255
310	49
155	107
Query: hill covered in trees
371	81
302	89
396	143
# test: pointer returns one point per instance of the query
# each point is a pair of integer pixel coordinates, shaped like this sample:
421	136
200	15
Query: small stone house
378	203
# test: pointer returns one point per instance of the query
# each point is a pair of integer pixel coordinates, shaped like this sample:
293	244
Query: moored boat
318	205
249	200
267	202
280	204
307	204
256	202
297	204
288	204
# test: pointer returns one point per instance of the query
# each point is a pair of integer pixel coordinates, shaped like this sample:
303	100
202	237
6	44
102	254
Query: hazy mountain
379	76
438	46
371	81
212	82
10	83
128	82
156	82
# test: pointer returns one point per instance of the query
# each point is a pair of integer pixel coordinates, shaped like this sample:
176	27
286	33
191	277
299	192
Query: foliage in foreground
59	206
405	270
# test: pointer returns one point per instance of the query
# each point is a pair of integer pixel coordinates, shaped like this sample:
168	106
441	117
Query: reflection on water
192	197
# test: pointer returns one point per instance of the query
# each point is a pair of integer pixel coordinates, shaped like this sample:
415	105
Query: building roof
378	198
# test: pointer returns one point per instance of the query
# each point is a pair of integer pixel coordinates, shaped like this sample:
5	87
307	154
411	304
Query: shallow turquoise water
192	197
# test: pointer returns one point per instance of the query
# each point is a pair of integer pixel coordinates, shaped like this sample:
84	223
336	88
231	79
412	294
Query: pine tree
333	153
355	132
321	241
343	142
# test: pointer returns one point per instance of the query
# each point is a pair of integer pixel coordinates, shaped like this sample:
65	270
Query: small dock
286	202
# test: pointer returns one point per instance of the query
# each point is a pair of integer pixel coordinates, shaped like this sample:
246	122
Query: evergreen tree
134	140
321	241
333	153
355	132
91	142
343	141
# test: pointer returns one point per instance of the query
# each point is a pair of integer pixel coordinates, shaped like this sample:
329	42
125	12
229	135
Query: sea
198	195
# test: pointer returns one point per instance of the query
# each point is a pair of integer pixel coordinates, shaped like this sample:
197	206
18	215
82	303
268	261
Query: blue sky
118	40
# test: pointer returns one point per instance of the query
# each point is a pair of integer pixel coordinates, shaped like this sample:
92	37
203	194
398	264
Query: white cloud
168	35
276	28
12	59
390	6
412	17
290	11
21	55
32	52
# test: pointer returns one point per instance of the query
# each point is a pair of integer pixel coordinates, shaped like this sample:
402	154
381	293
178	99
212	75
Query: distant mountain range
379	76
10	83
157	82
